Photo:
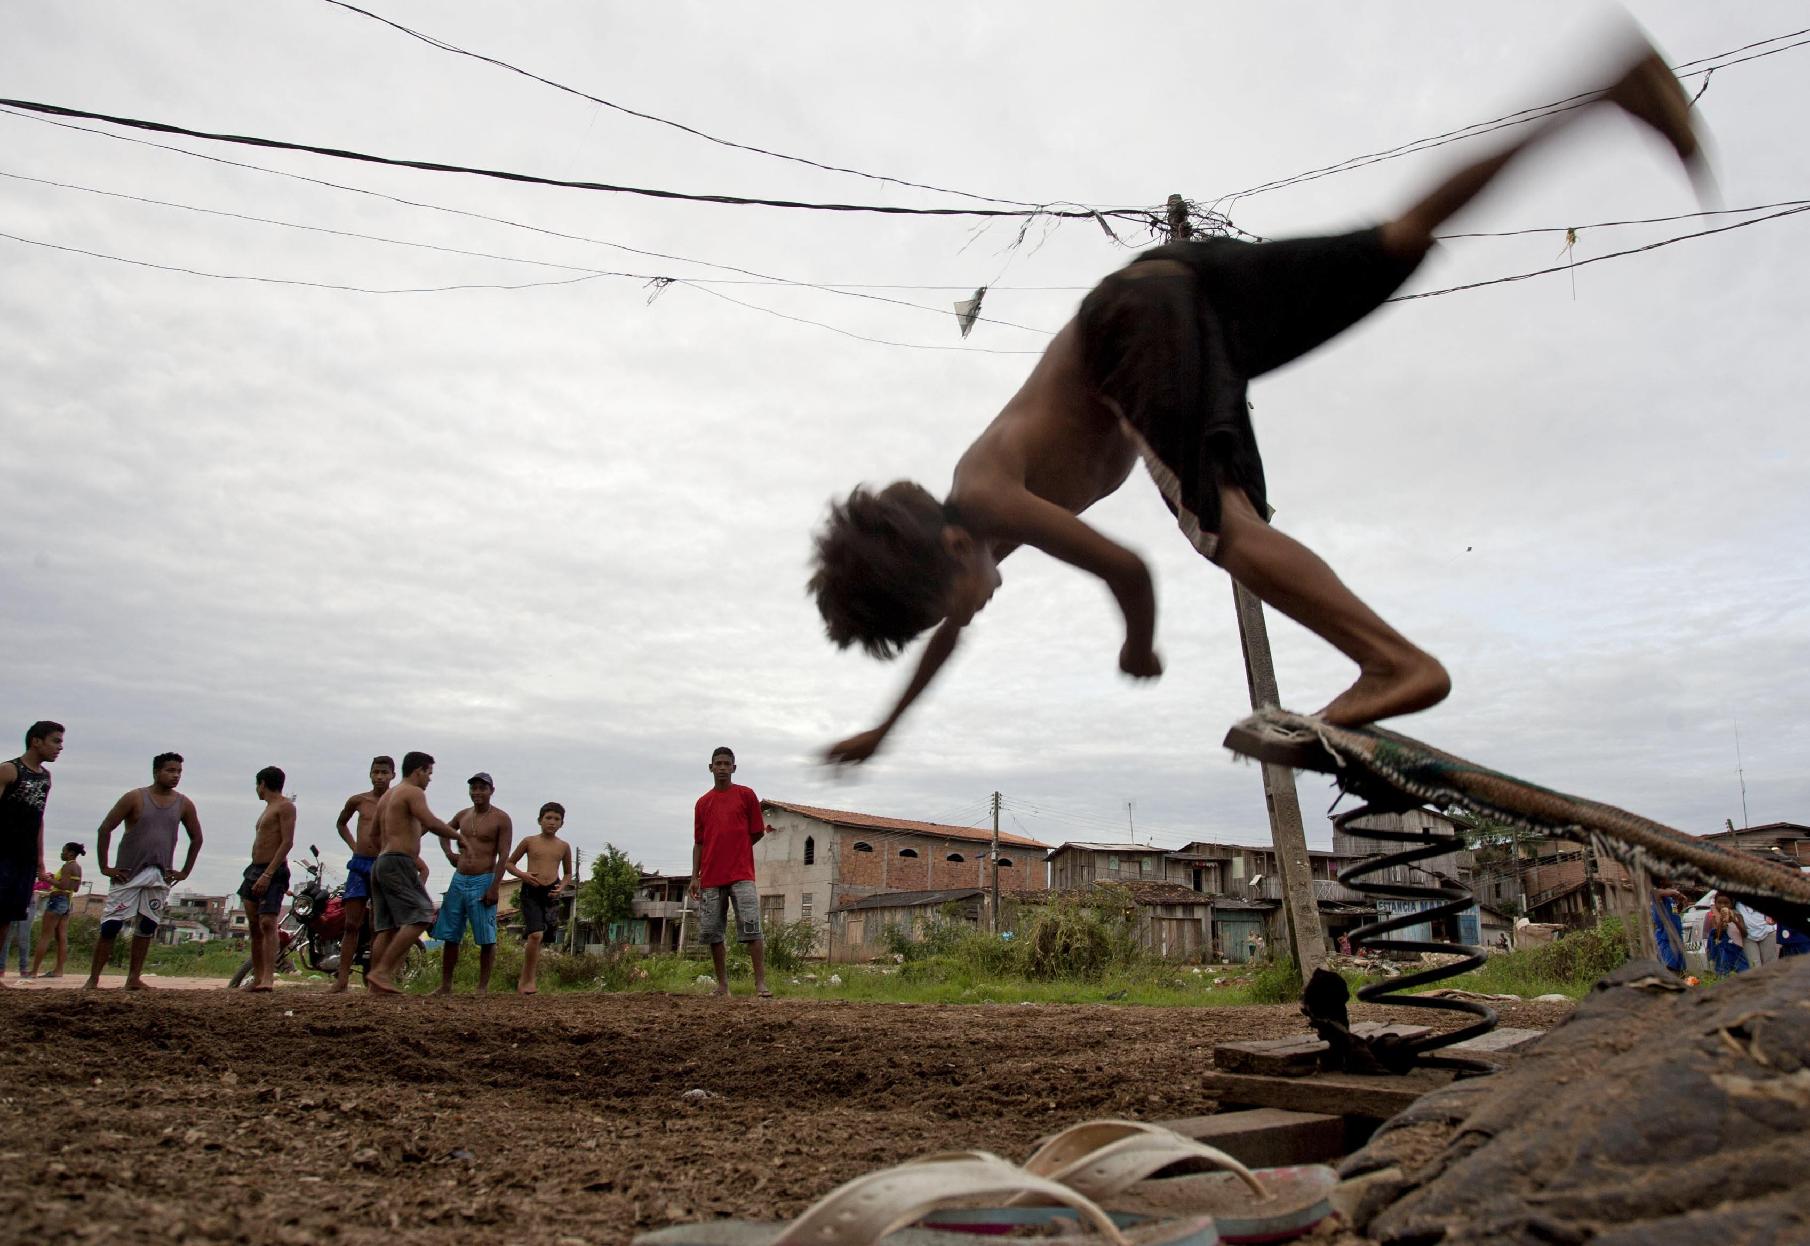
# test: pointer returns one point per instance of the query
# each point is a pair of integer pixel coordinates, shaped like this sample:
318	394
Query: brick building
813	860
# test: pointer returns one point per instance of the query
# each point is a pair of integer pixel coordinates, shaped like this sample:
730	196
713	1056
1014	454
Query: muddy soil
301	1117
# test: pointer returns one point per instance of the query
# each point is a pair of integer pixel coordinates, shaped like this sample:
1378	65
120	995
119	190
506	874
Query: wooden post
1301	909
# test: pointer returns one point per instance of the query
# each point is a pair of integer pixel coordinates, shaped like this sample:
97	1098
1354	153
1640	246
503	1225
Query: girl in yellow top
63	885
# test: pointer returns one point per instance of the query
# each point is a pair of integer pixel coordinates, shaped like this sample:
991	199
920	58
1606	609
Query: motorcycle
310	934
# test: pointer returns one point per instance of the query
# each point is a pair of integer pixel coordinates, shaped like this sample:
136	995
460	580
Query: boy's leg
719	959
486	962
353	911
267	923
381	980
1646	91
525	985
255	932
141	945
103	952
1395	677
449	961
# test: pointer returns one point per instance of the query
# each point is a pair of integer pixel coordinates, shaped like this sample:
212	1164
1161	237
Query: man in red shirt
725	826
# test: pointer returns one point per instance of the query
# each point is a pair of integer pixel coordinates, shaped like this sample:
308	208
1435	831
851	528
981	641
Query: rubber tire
238	979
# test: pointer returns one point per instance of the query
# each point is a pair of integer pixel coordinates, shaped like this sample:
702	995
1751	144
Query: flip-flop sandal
1114	1163
881	1205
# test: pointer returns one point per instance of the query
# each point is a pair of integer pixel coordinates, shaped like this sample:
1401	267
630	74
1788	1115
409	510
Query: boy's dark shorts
271	902
537	909
397	897
1176	347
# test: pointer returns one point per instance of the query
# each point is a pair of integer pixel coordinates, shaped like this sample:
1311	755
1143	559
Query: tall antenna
1741	774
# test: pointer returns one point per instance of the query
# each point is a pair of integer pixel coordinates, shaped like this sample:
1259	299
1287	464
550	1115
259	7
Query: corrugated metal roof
909	899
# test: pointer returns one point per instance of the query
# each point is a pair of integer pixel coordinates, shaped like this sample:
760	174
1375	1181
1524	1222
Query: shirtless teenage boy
549	873
364	848
266	879
142	874
1155	365
400	905
485	836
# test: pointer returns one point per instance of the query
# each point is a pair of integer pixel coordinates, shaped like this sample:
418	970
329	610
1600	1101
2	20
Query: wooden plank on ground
1503	1038
1296	1056
1268	1137
1331	1094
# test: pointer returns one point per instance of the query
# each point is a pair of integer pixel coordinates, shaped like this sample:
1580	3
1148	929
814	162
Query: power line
1518	117
313	285
1645	220
860	337
760	279
433	166
444	46
1596	259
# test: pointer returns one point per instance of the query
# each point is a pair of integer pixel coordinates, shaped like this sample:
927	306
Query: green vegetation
1569	965
608	895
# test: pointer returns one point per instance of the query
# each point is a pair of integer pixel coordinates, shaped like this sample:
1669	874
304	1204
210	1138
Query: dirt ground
300	1117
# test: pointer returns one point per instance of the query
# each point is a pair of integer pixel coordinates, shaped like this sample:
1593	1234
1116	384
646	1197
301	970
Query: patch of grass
1569	965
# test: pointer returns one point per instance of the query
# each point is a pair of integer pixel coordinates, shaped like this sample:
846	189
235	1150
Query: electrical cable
1595	259
511	259
444	46
433	166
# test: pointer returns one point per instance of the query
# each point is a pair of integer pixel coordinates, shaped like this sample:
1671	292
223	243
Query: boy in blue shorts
485	833
365	846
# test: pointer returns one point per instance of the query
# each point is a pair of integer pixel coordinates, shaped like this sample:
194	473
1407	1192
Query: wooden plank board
1331	1094
1298	1055
1268	1137
1503	1039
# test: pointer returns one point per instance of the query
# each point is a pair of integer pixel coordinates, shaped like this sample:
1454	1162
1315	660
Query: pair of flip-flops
1096	1182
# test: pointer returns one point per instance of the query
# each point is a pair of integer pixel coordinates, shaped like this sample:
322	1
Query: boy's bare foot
1650	93
1414	683
91	985
764	993
138	984
379	986
256	987
339	988
443	990
721	991
526	990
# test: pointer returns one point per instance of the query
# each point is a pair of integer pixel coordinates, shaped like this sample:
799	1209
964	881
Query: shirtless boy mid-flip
1155	366
401	908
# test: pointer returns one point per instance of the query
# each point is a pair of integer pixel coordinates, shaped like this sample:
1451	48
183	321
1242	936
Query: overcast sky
559	533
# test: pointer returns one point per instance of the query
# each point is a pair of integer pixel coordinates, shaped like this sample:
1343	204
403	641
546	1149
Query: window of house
954	856
863	846
1238	867
1005	863
1143	865
908	852
1112	863
810	850
804	906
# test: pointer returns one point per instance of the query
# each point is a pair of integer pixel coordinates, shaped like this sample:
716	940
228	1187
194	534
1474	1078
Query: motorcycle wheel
238	979
412	965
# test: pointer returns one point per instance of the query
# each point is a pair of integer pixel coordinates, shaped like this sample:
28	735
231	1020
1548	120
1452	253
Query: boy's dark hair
41	730
880	568
271	778
722	750
79	849
413	761
158	762
385	760
552	806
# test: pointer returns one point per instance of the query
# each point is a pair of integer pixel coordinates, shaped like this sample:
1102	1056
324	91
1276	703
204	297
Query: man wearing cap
485	833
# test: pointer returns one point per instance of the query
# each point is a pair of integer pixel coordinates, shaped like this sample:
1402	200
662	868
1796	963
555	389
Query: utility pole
1300	908
995	860
577	879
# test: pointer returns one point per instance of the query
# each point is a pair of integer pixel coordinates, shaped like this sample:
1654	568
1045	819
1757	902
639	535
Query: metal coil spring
1453	899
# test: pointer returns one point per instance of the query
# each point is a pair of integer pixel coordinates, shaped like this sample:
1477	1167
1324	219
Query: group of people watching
386	877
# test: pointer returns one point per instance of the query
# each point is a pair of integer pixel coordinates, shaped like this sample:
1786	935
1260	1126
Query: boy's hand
855	749
1140	662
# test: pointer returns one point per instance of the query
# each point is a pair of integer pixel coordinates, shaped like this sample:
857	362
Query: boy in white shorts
143	874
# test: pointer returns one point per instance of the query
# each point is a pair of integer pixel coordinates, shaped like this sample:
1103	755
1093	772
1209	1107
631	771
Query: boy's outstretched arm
858	748
1029	520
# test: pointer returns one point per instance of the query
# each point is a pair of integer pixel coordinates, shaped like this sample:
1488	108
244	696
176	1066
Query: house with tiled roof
813	860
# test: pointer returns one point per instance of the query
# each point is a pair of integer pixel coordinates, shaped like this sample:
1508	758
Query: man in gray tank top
143	872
